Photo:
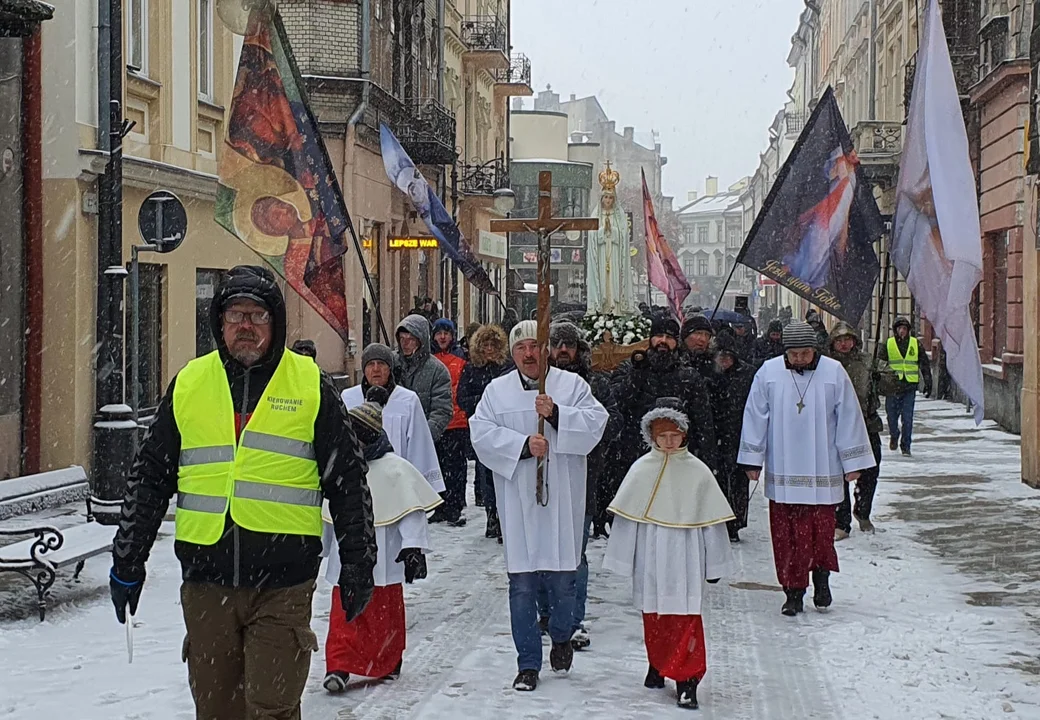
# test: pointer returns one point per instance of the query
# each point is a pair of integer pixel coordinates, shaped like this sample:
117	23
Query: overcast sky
709	76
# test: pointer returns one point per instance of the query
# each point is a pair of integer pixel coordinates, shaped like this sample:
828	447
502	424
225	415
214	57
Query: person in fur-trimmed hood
488	359
669	535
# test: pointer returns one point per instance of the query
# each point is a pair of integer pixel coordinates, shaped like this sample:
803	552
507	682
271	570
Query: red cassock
675	645
803	540
373	644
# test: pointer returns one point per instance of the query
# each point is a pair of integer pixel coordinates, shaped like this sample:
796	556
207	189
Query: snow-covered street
935	616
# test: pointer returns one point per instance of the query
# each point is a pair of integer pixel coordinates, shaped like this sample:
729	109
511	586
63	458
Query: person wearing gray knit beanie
803	434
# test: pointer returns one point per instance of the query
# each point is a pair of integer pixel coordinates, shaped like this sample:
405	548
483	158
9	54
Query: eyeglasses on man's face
255	317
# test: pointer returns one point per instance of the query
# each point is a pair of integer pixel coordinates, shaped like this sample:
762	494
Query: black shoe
543	624
654	681
494	527
561	656
893	444
458	522
865	525
580	640
395	673
794	604
687	694
335	682
821	589
907	453
526	680
437	517
734	535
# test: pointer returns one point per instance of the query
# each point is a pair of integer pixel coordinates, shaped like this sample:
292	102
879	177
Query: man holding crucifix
542	531
803	426
533	429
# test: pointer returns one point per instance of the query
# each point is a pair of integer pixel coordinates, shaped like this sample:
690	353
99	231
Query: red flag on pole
662	266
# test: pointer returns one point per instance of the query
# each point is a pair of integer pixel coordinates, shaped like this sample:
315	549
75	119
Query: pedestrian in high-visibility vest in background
910	365
251	438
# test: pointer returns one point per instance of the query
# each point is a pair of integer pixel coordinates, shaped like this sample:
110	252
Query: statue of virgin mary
609	271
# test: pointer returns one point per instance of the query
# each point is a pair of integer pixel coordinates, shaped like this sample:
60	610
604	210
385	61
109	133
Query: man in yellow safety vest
907	361
251	438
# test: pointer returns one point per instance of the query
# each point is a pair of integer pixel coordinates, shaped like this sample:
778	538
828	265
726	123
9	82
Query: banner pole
722	293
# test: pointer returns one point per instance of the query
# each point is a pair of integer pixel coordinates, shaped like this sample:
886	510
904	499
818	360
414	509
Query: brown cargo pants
248	651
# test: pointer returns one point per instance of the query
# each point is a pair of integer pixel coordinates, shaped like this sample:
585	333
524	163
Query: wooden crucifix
545	226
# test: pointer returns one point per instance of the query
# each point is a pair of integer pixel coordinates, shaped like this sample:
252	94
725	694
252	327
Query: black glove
124	594
414	564
355	590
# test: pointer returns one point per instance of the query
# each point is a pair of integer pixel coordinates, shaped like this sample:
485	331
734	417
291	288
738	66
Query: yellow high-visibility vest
268	479
904	367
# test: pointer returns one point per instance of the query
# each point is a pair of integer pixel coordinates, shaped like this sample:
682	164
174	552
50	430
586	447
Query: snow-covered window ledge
996	369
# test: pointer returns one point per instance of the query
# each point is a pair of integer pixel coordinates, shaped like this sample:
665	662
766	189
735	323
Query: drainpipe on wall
32	199
441	29
350	136
872	107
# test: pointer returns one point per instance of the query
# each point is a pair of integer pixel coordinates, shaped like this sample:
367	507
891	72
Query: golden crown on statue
609	179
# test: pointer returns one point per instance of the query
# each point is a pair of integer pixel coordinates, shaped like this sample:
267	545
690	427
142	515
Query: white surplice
410	531
668	566
669	532
536	537
804	455
409	433
400	499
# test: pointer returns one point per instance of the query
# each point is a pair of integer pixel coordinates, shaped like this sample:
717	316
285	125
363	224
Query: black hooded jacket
599	471
638	384
766	348
243	558
730	393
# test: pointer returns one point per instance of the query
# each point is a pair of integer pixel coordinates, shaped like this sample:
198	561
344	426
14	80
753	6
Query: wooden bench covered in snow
48	549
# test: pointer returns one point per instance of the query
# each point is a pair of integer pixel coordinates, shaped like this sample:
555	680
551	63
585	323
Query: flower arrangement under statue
615	337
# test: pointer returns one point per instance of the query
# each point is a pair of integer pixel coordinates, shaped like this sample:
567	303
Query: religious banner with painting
277	192
816	231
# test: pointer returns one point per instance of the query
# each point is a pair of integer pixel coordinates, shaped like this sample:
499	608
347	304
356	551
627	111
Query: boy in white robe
669	534
542	540
403	416
804	426
372	645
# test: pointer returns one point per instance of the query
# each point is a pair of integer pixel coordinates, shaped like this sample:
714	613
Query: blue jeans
581	584
486	479
901	407
523	613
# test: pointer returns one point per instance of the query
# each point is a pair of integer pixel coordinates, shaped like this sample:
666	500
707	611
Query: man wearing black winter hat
696	336
660	372
251	438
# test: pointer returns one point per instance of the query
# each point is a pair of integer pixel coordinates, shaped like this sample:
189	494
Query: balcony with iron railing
794	122
878	144
426	130
486	39
515	80
483	179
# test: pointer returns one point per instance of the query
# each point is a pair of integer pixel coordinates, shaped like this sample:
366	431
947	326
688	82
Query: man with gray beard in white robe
542	540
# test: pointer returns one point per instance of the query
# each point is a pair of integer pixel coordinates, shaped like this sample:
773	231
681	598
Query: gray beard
247	358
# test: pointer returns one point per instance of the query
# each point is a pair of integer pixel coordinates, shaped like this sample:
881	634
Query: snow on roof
713	204
548	161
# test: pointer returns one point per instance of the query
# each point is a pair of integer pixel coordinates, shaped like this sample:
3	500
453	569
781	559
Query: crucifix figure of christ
545	226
